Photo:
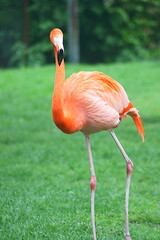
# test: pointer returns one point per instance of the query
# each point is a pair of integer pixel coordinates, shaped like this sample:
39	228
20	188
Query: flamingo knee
93	182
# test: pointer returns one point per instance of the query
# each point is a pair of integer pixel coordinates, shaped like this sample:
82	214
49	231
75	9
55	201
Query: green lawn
44	173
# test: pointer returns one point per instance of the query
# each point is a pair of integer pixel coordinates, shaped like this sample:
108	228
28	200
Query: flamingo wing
94	100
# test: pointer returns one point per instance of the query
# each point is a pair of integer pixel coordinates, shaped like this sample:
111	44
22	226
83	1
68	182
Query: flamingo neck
57	100
66	122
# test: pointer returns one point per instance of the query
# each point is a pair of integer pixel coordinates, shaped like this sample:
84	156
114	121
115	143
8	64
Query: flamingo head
56	37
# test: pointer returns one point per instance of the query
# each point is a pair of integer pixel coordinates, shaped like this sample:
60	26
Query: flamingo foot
128	237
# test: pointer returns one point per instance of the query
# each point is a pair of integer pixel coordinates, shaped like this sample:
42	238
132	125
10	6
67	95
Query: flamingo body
93	102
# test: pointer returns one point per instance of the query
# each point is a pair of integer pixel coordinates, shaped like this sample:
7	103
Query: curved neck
64	120
57	100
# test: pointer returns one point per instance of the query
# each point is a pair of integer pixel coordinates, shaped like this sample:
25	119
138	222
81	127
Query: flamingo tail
138	121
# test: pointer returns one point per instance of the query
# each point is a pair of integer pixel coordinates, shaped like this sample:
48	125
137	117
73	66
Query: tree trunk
25	33
73	32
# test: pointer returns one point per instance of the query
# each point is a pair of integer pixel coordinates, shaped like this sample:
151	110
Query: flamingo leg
129	166
92	185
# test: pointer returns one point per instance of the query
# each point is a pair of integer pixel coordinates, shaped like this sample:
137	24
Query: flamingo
91	102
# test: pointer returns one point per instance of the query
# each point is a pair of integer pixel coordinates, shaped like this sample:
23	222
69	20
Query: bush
110	30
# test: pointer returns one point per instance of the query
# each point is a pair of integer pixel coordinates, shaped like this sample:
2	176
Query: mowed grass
44	173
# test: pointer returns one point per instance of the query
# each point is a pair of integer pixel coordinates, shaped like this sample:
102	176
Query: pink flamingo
91	102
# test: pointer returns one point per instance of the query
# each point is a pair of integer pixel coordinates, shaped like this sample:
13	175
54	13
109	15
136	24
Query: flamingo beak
60	56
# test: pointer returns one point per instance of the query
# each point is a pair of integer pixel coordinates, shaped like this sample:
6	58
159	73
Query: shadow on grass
151	119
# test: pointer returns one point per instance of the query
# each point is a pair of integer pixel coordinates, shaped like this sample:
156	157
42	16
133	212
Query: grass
44	174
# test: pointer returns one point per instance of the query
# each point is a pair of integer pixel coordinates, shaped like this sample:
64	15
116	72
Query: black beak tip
60	56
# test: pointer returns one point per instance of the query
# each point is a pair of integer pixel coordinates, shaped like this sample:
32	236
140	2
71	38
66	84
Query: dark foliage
110	30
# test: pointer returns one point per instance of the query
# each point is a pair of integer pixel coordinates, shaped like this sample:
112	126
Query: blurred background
97	30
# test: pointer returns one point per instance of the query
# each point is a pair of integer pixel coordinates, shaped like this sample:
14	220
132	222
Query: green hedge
110	30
